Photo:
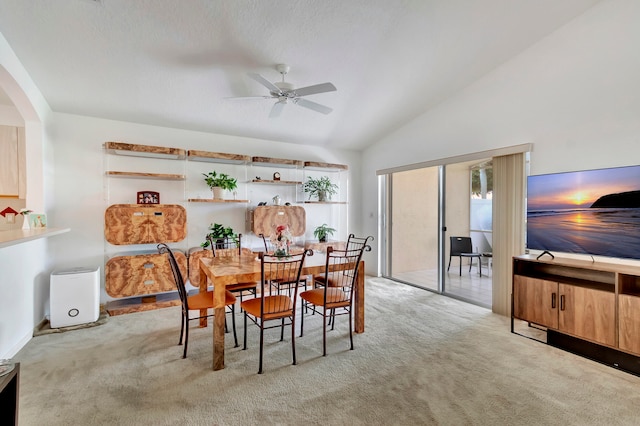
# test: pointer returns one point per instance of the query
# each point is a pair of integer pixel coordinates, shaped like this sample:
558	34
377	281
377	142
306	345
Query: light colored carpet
423	359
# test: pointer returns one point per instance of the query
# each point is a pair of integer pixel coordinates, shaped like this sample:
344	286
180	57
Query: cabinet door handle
562	302
553	300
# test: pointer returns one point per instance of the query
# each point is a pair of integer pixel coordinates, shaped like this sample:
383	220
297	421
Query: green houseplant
220	180
322	188
322	232
218	232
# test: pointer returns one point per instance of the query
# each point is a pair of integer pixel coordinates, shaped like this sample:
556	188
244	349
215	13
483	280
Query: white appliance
74	297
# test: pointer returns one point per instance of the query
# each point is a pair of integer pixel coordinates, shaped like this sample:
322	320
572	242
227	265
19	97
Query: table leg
203	288
359	301
218	326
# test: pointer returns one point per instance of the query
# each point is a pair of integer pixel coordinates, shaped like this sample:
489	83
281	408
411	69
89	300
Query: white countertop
18	236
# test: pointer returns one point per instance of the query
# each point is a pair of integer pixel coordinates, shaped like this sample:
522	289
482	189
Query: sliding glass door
422	205
413	234
427	206
468	208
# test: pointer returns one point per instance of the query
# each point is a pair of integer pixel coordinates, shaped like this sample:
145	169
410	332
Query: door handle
562	302
553	300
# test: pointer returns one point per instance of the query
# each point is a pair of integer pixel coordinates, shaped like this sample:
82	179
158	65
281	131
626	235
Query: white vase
217	193
25	222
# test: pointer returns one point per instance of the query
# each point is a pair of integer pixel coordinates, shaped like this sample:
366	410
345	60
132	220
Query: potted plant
322	188
219	182
322	232
218	232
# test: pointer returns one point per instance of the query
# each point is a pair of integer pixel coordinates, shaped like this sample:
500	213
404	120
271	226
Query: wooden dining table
245	268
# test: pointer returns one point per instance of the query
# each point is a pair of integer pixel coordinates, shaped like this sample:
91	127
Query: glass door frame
385	232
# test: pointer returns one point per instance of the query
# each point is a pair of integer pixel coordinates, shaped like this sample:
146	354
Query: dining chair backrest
341	269
460	245
230	252
233	242
266	241
282	269
355	243
177	275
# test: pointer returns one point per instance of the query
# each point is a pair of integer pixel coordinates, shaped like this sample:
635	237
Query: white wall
575	95
23	267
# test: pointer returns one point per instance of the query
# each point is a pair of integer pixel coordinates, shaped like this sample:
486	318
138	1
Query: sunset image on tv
593	212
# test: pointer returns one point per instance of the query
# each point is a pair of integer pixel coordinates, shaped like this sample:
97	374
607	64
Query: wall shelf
260	179
211	200
135	150
138	175
314	165
277	182
217	157
276	162
138	278
325	202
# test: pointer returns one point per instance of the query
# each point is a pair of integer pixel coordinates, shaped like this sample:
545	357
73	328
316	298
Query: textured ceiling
173	63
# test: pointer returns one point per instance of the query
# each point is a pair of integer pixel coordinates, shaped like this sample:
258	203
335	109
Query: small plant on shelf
220	180
219	232
322	232
322	188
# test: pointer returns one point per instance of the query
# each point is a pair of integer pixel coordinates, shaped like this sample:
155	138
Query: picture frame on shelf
148	197
37	220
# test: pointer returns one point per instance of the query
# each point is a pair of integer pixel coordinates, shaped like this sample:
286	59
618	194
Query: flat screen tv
595	212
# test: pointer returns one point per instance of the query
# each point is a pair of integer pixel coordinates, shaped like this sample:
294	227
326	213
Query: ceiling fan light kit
283	69
283	92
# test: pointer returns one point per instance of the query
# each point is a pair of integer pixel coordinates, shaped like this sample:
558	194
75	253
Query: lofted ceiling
175	63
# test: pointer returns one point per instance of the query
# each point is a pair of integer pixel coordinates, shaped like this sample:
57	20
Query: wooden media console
588	308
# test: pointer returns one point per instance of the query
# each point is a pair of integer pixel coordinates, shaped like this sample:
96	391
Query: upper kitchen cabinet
12	162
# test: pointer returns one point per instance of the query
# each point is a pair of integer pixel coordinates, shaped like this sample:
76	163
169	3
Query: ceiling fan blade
240	98
266	83
276	109
313	105
317	88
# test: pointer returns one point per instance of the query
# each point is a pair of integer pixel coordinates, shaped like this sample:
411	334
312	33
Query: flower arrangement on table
282	241
25	212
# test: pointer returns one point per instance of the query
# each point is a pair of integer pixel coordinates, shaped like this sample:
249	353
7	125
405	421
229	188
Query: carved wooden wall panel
124	223
143	274
143	224
168	224
267	218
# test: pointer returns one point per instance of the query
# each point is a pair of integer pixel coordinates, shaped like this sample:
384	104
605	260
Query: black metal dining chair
334	294
196	302
268	307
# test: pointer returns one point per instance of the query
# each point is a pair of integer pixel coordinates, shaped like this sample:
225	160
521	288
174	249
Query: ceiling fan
284	92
